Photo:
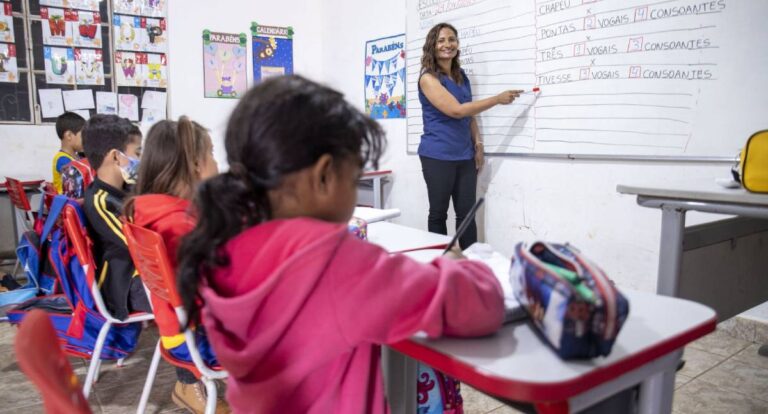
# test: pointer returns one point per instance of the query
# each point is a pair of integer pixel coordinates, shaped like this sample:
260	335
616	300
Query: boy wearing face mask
113	151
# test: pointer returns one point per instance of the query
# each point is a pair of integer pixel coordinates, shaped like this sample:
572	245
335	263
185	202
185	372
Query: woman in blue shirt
451	149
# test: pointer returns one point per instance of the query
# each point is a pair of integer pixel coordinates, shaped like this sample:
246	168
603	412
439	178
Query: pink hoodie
298	316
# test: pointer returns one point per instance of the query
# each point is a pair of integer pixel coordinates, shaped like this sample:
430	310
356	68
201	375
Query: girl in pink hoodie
295	306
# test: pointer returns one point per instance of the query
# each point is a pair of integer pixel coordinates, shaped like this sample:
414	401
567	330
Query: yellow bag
753	163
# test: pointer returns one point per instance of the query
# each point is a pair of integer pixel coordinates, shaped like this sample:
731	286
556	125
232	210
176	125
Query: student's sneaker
193	396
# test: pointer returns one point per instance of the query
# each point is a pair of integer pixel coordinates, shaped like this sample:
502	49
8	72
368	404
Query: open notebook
514	311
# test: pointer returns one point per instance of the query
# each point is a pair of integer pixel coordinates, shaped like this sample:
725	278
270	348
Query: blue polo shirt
447	138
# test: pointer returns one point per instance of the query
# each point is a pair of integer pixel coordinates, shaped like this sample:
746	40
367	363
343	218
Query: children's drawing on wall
154	8
88	30
6	24
127	6
89	67
128	106
128	33
272	51
59	65
57	29
129	69
54	3
155	36
92	5
9	71
224	66
156	73
385	77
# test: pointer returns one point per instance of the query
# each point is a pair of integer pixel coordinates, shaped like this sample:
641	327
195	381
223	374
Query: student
136	136
179	155
112	153
69	126
295	306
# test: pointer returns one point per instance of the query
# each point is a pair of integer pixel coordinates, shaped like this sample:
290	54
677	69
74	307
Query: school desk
514	364
675	198
376	178
373	215
8	239
396	238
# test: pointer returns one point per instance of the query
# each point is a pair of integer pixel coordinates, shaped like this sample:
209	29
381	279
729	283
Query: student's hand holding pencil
455	253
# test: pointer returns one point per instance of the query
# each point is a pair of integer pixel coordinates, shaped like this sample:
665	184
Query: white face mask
131	171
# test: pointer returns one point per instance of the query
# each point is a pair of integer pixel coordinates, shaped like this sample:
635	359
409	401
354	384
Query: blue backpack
73	313
32	253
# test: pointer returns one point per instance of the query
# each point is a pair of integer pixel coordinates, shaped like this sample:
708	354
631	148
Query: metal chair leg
93	367
210	390
150	380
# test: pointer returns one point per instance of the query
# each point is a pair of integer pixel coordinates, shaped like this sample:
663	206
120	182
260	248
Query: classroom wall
188	19
28	150
526	199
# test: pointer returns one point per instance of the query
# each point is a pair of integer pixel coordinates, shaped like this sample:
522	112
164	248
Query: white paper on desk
128	106
500	267
78	99
154	100
50	102
106	103
86	114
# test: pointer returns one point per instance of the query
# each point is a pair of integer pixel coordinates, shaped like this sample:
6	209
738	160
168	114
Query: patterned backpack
76	177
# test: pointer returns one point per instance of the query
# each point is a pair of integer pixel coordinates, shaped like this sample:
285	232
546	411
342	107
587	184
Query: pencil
464	224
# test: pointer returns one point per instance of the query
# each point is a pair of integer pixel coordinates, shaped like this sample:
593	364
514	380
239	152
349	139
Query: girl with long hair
177	157
295	306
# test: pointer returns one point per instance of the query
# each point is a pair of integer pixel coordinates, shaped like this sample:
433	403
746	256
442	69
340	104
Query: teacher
451	149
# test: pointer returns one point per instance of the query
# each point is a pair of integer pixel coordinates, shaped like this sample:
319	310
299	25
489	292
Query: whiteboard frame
607	157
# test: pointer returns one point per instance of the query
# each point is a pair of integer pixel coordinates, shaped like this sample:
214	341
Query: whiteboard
666	79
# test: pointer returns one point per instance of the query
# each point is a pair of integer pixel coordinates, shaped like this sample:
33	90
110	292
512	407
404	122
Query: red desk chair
83	249
20	203
151	259
43	361
21	207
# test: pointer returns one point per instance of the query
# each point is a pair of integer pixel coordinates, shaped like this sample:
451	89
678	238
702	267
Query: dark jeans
448	180
185	376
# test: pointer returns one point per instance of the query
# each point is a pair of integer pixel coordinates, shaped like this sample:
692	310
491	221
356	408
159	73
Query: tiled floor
722	374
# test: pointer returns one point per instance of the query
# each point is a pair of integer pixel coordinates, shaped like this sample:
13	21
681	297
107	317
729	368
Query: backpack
73	313
752	170
32	253
75	178
437	393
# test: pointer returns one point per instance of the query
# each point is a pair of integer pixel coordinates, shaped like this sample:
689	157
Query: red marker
534	90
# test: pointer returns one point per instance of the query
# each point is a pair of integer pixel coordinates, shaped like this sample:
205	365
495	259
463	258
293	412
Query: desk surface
514	363
29	182
373	215
397	238
696	190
